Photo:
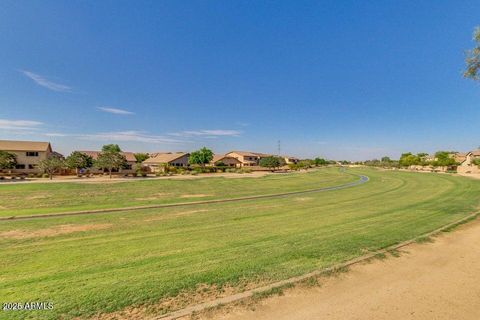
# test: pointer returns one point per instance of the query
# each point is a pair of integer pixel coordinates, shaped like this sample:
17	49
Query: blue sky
338	79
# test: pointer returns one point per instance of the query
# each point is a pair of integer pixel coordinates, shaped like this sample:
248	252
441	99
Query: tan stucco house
459	157
467	166
228	161
290	160
158	161
27	153
247	158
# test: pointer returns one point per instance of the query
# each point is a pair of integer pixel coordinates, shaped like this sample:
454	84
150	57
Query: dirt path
439	280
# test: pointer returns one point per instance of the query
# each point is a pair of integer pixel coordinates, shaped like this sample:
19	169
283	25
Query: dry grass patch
154	196
178	214
199	195
38	196
53	231
302	199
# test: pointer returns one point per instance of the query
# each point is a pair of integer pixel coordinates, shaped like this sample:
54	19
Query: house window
32	154
20	166
32	166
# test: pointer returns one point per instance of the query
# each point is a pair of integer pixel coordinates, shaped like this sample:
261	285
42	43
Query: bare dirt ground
439	280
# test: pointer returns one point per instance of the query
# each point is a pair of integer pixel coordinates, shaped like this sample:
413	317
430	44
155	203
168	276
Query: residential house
158	161
467	165
129	156
459	157
247	158
226	160
27	153
290	160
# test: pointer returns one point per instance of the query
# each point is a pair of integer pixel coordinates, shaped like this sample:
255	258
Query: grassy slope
29	199
140	259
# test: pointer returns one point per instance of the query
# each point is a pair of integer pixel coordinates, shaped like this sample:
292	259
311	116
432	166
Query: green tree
110	158
78	160
408	159
220	164
271	162
201	157
472	58
111	148
7	160
443	159
140	157
51	165
386	159
320	162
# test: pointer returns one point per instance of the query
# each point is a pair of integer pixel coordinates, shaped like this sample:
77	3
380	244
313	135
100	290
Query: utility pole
279	148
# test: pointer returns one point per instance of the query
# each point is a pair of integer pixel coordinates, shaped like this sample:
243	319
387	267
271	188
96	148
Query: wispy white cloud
115	110
135	136
19	125
44	82
208	133
55	134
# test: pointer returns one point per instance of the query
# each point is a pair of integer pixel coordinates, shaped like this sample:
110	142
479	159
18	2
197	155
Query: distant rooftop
11	145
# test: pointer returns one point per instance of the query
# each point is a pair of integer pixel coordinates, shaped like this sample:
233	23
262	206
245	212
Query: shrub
171	169
45	175
197	170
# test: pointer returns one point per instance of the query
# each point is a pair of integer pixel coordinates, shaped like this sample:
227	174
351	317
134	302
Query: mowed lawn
40	198
86	265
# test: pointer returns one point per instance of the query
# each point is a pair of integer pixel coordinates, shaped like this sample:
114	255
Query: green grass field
30	199
116	260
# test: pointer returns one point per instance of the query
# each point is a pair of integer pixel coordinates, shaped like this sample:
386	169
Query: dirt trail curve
439	280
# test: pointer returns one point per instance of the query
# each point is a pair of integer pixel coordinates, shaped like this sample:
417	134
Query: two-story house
27	153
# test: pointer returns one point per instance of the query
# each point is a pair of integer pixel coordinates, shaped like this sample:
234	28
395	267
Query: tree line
441	159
